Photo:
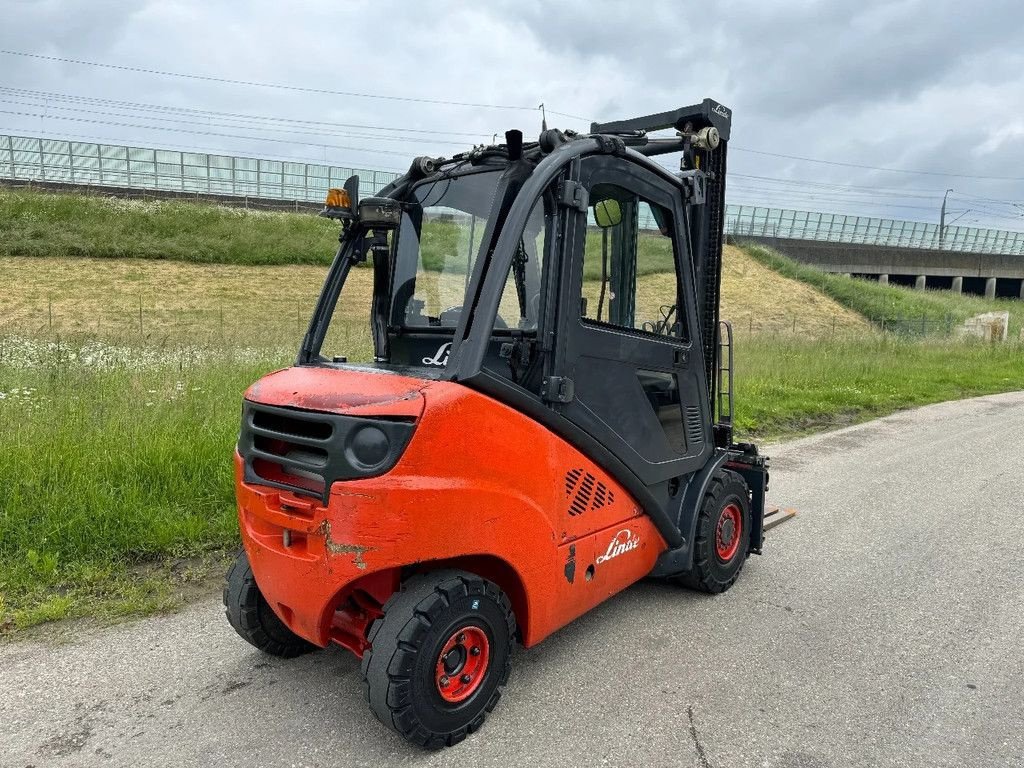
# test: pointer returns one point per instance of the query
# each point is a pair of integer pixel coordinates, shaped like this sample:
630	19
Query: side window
629	269
520	300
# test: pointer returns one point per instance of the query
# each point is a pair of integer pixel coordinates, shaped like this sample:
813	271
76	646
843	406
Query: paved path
884	626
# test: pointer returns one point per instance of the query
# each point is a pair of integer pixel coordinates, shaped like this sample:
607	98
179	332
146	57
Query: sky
872	108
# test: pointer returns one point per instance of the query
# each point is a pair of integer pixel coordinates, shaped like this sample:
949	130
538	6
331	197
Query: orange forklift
546	418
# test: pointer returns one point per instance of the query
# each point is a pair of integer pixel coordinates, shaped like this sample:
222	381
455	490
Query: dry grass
758	297
271	304
179	301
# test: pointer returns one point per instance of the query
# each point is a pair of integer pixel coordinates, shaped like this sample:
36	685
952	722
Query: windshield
437	247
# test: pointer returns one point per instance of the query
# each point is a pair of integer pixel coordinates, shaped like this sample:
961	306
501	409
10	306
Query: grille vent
694	427
585	492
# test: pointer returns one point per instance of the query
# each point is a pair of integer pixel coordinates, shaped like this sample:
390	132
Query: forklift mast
702	136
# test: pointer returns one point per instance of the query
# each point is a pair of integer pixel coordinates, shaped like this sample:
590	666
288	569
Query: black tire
711	572
253	618
400	668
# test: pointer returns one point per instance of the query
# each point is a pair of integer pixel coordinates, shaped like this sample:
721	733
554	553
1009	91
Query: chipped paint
346	391
337	548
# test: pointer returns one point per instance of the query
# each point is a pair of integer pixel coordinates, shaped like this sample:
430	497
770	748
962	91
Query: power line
762	203
210	124
935	193
205	133
853	193
741	184
278	86
1015	203
877	168
213	113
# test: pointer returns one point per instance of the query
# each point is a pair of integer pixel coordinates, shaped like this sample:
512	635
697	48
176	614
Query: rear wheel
253	618
439	657
722	542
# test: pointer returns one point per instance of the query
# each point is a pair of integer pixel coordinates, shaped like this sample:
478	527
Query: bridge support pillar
990	288
958	285
883	279
921	283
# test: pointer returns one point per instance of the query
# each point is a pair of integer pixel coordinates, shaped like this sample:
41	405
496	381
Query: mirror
607	213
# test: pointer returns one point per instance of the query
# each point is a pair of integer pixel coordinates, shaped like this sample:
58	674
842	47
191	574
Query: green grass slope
899	308
46	224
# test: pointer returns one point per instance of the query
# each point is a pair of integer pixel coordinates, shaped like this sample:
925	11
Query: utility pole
942	218
954	221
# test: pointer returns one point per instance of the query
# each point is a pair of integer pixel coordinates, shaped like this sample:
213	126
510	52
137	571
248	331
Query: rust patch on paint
338	548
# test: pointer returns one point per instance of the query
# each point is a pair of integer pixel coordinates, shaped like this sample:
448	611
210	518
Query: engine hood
349	391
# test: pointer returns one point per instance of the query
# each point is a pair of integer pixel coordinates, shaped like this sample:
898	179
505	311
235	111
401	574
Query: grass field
117	460
50	224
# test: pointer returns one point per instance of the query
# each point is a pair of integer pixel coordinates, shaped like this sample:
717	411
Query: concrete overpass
988	274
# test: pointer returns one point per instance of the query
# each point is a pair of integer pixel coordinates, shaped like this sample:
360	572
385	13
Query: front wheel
722	542
439	657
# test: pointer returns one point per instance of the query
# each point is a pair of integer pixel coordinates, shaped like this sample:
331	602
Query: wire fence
53	161
157	328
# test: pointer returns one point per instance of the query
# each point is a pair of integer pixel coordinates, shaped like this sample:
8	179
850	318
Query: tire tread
395	642
701	577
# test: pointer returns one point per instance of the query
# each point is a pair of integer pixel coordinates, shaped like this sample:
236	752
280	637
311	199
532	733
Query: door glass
629	267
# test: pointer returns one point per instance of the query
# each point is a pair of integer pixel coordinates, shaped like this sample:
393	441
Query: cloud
932	86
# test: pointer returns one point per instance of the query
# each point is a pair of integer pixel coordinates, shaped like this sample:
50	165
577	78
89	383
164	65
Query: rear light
338	204
306	451
338	198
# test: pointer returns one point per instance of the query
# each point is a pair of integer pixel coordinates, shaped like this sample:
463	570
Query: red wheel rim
462	664
728	532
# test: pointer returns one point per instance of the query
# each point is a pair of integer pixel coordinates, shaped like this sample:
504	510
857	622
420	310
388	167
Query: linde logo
624	541
440	357
718	109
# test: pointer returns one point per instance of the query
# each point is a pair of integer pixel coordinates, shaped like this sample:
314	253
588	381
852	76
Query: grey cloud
909	84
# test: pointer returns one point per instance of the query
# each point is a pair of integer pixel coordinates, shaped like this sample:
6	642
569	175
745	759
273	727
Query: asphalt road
884	626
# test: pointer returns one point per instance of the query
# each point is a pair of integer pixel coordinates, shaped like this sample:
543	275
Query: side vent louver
694	428
585	492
